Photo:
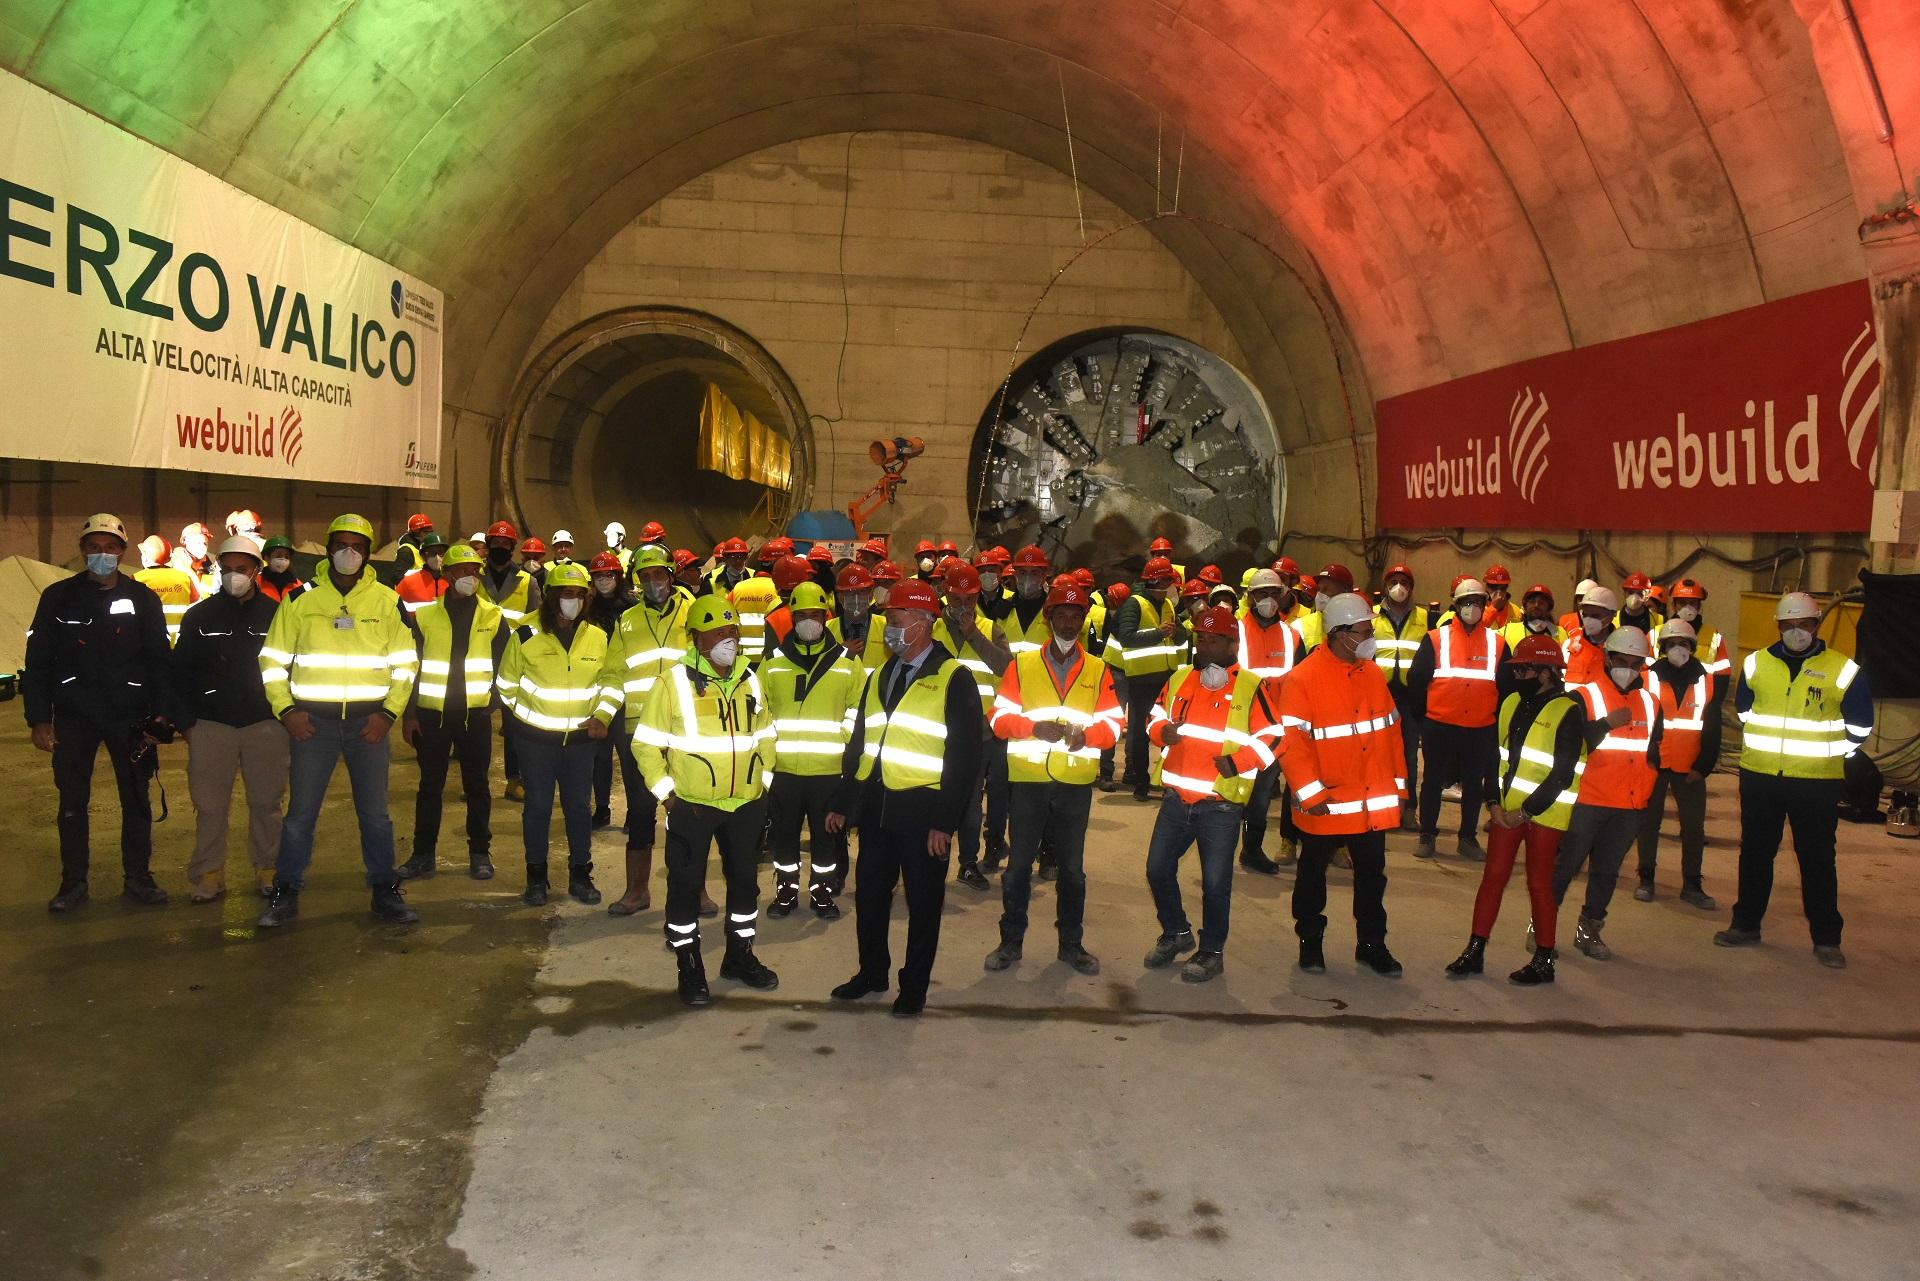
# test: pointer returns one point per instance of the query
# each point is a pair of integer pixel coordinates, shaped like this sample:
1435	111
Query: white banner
153	316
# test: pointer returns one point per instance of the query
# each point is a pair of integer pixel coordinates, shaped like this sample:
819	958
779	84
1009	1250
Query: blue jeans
1215	825
569	766
310	769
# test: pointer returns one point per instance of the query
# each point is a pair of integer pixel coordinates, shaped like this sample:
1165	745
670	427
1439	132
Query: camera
147	735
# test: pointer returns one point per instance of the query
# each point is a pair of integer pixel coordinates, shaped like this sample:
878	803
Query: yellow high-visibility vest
475	681
1536	760
646	642
704	739
1795	727
331	650
910	742
811	725
553	687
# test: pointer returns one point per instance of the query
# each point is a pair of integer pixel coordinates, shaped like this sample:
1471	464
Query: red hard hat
501	529
735	546
789	572
962	579
911	593
1538	589
886	572
819	555
1335	573
854	578
1637	583
604	563
947	547
534	547
944	563
774	548
1537	651
1030	557
1216	620
1117	595
1082	578
1210	575
1069	593
417	522
652	532
1159	569
1193	587
683	558
1401	570
1497	576
1307	585
877	546
924	546
994	556
1159	545
1688	589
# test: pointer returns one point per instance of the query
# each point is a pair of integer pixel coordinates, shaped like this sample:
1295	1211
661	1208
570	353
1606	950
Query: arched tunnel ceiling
1463	183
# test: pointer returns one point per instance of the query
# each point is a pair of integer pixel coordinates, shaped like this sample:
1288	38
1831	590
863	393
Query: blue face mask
101	564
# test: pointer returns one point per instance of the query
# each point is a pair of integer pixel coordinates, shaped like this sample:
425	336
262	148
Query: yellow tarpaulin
736	444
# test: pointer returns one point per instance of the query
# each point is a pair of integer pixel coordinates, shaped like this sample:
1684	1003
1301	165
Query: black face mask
498	557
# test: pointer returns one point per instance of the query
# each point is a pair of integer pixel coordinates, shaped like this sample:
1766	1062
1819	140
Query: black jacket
922	809
216	662
96	653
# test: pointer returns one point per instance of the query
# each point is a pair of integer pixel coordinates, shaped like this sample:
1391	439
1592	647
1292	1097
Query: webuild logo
244	435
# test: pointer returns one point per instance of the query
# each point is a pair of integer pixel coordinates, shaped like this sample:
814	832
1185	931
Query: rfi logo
395	298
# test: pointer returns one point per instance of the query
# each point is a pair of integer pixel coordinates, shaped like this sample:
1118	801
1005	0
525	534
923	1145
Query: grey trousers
258	754
1604	834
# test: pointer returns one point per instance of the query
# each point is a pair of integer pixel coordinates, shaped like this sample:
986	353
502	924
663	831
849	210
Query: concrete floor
517	1094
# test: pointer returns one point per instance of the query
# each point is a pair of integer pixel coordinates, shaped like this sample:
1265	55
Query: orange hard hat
501	529
1216	620
789	572
1069	593
913	594
683	558
854	578
1287	565
962	579
774	548
886	572
1688	589
876	547
923	547
1306	584
1210	575
947	547
1159	569
534	547
994	556
735	546
417	522
1537	651
1538	589
1030	557
1497	576
604	563
1082	577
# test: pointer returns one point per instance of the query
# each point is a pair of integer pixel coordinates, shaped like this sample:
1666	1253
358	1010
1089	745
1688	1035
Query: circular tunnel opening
608	425
1108	439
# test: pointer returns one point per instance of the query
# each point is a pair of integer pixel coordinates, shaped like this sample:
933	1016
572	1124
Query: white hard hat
1678	629
1585	585
1469	587
1796	605
615	529
1629	640
105	523
1600	598
1265	578
478	537
241	545
1345	610
561	536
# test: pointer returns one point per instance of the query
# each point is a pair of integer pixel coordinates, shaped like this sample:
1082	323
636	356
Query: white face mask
1213	676
1470	615
1634	601
1798	640
236	583
926	564
1592	626
1621	676
1065	643
989	581
570	607
1366	649
1398	593
348	560
808	629
1029	586
1688	613
605	583
1539	625
1320	600
1679	654
279	564
723	653
467	584
1266	607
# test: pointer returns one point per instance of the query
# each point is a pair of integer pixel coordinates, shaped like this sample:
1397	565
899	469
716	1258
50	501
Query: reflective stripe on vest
1536	760
1795	727
983	678
1682	723
1462	692
1618	774
1268	652
1163	654
910	741
715	754
810	731
1031	760
1230	737
436	651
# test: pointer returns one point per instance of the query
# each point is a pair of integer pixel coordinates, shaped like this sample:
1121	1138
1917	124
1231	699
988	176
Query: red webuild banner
1763	420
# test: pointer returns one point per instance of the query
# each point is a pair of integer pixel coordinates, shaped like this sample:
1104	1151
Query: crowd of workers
958	714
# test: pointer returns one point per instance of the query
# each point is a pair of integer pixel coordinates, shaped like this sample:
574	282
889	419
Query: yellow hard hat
651	556
808	595
351	524
566	574
709	613
460	554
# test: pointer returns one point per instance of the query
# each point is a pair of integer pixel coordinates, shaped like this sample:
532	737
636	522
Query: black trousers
1053	814
640	802
966	841
78	745
995	770
1691	800
1266	785
1369	853
1458	755
1142	690
509	750
1411	726
692	830
1812	805
472	743
887	858
794	798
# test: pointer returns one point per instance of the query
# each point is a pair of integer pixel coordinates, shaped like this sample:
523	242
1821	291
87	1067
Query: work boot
1694	896
1141	793
1168	947
1046	870
786	897
708	908
1376	958
1830	956
205	889
908	1007
535	895
741	965
479	865
1002	958
970	876
1734	936
70	895
603	817
282	907
1586	937
820	897
1106	784
390	905
142	888
1289	852
1468	848
516	790
693	976
1470	962
580	884
1643	892
1312	958
639	874
1256	860
1203	967
417	868
1535	972
995	855
1082	961
1424	847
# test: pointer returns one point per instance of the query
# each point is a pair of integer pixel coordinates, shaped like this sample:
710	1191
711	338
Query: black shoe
1734	936
741	965
908	1007
70	895
580	885
602	818
1003	957
390	905
1376	958
1141	793
972	877
282	907
142	889
480	866
786	897
1535	972
535	895
1168	948
1257	861
417	868
1312	959
824	907
1107	785
1472	961
1082	961
1046	872
858	986
693	977
1203	967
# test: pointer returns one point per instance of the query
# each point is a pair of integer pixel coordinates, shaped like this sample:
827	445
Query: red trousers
1503	843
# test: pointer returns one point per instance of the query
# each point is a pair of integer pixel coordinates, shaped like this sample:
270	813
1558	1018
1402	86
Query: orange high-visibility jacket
1681	712
1189	763
1586	660
1620	773
1465	664
1269	652
1340	746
